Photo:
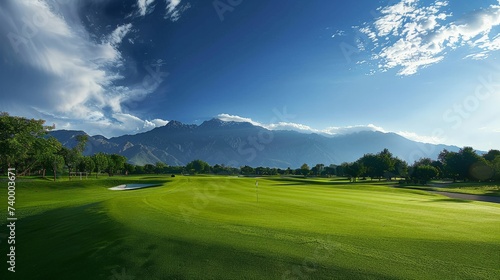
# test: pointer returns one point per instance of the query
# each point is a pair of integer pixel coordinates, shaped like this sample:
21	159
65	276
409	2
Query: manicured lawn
204	227
485	188
476	188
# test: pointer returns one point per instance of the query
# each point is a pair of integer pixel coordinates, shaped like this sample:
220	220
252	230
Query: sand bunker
132	187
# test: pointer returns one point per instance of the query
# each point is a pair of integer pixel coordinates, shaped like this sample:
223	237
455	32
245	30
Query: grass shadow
456	200
328	182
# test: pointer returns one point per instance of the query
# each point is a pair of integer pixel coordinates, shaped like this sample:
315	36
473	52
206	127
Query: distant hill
240	143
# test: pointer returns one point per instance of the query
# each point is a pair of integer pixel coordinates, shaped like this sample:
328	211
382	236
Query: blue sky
427	70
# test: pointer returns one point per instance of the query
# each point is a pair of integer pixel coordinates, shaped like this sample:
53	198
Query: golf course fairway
215	227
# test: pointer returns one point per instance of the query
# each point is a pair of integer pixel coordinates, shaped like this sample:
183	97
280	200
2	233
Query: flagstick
257	190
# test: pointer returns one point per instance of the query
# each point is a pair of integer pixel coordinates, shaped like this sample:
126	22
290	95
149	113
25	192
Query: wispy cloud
352	129
330	131
421	138
68	78
410	36
175	9
339	33
119	33
145	6
234	118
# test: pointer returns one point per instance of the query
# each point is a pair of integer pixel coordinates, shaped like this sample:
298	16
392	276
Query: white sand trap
132	187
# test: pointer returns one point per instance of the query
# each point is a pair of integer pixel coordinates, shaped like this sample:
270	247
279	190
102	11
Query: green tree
160	167
198	166
354	170
491	155
423	161
373	165
304	169
331	170
424	173
116	163
149	168
19	139
48	155
434	163
469	158
401	168
57	163
138	169
101	163
379	165
451	162
496	167
87	164
219	169
387	162
71	158
129	168
340	170
458	165
81	142
481	170
318	169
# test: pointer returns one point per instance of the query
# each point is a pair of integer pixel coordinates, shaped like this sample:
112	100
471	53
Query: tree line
24	145
464	165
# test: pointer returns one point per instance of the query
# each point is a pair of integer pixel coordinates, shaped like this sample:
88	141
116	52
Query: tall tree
387	162
87	165
160	167
198	166
491	155
400	168
116	163
424	173
81	141
49	155
304	169
331	170
318	169
73	156
101	163
129	168
496	167
19	138
458	165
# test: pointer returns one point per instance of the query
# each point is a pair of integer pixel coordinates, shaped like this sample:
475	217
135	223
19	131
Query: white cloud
134	124
421	138
159	122
234	118
330	131
352	129
144	6
291	126
410	36
117	35
67	76
174	9
339	33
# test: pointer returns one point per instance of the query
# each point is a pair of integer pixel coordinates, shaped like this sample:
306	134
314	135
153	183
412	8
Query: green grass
476	188
484	188
203	227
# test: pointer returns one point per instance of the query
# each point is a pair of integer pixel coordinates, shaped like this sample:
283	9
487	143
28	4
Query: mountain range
240	143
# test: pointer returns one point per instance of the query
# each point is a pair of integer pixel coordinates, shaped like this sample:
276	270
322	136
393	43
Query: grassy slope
213	228
476	188
485	188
